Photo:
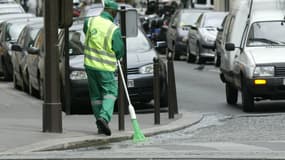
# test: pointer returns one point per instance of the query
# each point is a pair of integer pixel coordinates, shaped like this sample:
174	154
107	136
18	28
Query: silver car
202	36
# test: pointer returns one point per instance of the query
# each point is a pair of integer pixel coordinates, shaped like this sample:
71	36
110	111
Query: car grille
133	71
280	71
130	71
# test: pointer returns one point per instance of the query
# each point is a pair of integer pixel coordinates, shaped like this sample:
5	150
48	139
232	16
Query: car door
17	55
172	29
33	60
226	55
193	35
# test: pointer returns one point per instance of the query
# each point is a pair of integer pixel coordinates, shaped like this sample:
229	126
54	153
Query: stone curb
85	141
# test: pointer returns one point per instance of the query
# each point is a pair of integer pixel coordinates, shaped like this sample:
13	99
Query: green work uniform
103	87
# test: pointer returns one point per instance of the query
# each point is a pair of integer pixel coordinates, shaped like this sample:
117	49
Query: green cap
111	4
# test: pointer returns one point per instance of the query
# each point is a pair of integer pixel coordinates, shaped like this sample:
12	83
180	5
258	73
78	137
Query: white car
253	60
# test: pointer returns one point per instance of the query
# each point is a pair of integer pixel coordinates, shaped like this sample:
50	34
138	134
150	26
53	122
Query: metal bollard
172	97
156	90
122	102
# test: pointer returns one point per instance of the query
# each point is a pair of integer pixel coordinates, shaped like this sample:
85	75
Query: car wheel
231	94
176	56
247	99
5	70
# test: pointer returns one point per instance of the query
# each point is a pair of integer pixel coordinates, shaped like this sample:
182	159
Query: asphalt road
199	89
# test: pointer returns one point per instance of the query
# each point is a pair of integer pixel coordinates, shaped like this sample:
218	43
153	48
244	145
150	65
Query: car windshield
138	44
266	34
32	36
14	31
213	20
189	18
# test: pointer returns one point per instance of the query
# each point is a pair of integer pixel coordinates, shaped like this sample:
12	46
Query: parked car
19	55
178	28
202	37
10	31
10	8
254	62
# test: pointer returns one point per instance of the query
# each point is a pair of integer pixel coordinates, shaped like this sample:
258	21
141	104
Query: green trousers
103	91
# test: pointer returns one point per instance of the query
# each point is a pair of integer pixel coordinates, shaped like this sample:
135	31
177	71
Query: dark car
19	55
140	69
202	37
10	31
178	28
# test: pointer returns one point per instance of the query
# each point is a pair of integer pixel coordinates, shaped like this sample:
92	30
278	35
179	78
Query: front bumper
140	89
274	88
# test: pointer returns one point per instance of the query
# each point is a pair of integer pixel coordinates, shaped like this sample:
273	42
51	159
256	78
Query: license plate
131	83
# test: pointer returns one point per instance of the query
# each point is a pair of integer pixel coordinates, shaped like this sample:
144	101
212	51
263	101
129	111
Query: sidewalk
21	126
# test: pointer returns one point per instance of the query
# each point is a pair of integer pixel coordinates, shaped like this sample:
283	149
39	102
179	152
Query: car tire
247	99
41	89
176	56
5	70
231	94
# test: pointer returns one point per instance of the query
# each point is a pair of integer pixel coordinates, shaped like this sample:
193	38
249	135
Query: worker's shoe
103	125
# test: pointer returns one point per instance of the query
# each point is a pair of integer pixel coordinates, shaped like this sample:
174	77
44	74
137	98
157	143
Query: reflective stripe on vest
98	44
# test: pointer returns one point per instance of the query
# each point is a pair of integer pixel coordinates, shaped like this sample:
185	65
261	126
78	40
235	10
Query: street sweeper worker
103	47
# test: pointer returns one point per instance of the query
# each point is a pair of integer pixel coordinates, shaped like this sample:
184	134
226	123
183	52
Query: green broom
138	135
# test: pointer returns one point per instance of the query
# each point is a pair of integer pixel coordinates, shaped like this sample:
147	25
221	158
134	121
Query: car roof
7	1
195	10
15	16
271	15
7	8
25	19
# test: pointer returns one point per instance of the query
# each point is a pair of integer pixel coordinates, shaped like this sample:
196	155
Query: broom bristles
138	135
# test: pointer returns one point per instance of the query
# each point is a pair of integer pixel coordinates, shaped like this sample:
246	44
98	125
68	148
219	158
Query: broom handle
124	82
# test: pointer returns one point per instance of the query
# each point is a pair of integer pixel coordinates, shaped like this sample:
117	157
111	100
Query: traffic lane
199	89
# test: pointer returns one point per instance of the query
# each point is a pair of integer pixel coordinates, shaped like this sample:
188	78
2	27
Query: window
266	34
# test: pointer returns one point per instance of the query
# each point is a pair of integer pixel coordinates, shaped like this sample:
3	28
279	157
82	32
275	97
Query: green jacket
117	42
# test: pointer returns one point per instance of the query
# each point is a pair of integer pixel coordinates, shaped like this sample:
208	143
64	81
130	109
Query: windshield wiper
264	40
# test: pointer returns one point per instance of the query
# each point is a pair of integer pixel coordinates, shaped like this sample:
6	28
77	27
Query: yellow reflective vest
98	45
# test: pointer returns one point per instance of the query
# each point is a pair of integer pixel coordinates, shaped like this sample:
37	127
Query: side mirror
230	47
194	27
220	29
16	47
33	51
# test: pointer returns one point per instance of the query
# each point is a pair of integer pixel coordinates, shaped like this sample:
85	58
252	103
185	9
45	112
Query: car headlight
78	75
147	69
264	71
